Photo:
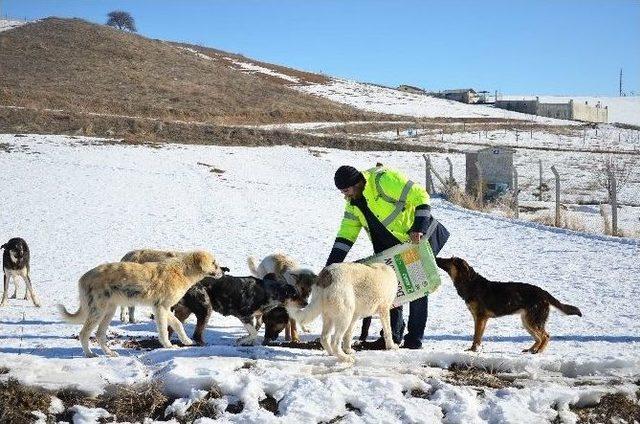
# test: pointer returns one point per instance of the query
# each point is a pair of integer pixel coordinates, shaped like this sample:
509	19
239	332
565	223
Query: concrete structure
496	164
411	89
571	110
464	95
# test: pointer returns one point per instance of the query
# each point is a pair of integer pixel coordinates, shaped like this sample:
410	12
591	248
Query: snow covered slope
80	202
375	98
6	24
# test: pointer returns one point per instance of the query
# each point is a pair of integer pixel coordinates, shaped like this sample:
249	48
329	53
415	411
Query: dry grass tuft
203	408
134	403
567	220
613	407
17	401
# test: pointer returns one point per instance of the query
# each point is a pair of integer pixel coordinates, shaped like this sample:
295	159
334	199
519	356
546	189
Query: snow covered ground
80	202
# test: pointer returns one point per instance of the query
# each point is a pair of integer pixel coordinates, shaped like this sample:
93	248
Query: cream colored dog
157	284
141	256
345	293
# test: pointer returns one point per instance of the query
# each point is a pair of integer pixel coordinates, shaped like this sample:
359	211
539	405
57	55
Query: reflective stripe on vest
399	204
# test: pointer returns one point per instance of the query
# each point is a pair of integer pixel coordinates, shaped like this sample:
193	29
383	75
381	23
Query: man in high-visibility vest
392	210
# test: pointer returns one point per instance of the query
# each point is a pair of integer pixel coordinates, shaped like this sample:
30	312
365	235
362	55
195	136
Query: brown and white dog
157	284
287	268
141	256
345	293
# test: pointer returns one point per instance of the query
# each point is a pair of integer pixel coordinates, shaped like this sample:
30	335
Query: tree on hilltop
121	20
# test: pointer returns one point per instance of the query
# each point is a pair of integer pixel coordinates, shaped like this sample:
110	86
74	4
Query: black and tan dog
243	297
489	299
15	263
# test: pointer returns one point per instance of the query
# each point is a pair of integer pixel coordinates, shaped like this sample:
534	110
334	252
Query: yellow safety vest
392	198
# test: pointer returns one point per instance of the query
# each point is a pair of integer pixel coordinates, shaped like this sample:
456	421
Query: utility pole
620	82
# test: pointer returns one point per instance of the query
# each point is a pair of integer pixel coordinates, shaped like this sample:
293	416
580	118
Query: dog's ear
3	246
203	260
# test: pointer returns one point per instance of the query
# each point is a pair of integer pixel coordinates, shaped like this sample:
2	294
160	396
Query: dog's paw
188	342
348	351
472	349
3	304
393	347
304	328
246	341
91	355
113	354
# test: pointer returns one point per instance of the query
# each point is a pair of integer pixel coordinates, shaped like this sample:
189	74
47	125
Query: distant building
496	164
464	95
411	89
572	110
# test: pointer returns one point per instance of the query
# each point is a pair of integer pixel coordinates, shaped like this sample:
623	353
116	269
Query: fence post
451	180
516	191
555	172
480	184
428	182
540	184
613	198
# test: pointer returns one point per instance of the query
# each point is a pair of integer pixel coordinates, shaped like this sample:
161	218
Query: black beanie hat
347	176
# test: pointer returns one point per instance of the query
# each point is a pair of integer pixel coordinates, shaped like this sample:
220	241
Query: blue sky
572	47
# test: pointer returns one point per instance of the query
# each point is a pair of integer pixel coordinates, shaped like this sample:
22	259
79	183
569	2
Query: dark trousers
418	313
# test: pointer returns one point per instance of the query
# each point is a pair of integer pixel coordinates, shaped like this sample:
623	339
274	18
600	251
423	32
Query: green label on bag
415	268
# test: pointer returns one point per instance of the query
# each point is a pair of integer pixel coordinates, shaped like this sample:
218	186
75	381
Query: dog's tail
253	267
566	308
76	318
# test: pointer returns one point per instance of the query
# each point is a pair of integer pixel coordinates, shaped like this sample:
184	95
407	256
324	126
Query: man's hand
416	236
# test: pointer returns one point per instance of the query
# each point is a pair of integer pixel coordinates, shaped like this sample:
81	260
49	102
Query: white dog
157	284
345	293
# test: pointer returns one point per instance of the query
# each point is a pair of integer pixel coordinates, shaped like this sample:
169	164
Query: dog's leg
535	319
123	313
15	288
201	322
287	332
181	312
364	330
327	328
346	340
337	340
101	334
480	323
250	339
177	326
6	289
527	324
27	279
385	318
88	326
161	316
295	337
132	314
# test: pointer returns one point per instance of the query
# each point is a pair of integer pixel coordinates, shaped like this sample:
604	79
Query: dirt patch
270	404
613	407
235	407
150	343
4	370
313	344
203	408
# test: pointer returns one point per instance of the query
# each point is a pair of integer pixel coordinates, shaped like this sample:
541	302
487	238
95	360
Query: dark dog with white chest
15	263
246	298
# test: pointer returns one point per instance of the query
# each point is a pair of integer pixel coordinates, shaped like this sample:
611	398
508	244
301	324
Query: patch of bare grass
567	220
17	401
612	408
202	408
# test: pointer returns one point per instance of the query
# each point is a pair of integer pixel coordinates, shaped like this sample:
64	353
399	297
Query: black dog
489	299
15	263
243	297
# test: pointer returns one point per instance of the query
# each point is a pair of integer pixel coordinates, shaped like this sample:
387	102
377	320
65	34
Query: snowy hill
80	202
